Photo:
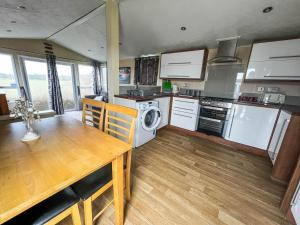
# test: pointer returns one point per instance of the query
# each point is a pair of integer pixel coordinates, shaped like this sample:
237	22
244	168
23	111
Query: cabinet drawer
276	49
184	120
183	58
186	105
181	71
274	70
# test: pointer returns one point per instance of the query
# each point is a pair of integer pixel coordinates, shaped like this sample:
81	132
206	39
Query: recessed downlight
183	28
102	46
8	30
22	7
268	9
13	21
89	50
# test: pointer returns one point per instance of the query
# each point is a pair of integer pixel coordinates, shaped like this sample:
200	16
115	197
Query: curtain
146	70
56	101
97	78
23	93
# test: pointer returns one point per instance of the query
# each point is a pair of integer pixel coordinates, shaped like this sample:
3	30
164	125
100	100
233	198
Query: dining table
66	152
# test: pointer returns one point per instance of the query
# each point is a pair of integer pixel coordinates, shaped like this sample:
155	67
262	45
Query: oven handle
214	108
210	119
231	122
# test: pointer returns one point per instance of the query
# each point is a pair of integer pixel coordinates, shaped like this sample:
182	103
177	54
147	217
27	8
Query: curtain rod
43	54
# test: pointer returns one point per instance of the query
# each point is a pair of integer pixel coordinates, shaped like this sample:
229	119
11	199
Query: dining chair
119	122
93	112
51	211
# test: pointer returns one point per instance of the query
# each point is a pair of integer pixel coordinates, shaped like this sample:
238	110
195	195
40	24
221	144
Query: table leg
117	172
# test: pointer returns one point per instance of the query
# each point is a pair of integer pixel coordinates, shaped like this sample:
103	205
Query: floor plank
178	179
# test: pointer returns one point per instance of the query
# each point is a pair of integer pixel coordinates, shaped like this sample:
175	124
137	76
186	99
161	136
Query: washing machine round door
151	118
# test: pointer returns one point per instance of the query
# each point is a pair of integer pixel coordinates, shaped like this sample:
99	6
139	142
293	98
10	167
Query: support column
112	46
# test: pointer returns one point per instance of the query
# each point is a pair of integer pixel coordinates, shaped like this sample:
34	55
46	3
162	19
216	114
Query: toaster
274	98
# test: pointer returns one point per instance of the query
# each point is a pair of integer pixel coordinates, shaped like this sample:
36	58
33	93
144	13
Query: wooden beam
112	46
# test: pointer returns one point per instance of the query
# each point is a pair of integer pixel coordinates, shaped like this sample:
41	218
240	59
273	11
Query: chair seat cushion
46	210
87	186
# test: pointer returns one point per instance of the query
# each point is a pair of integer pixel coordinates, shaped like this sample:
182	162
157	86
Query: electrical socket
260	89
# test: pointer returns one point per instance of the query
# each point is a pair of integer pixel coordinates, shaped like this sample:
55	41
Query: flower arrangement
25	109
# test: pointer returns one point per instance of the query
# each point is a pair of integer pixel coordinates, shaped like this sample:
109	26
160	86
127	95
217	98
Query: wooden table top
66	152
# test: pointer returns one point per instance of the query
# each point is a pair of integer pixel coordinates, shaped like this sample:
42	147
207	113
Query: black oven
212	120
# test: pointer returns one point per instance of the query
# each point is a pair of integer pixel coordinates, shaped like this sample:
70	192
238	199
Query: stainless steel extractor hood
226	52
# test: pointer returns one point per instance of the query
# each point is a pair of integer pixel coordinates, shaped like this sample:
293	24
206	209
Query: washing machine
149	117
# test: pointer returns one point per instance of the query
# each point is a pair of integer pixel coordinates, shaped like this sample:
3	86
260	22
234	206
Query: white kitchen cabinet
278	135
278	60
164	106
187	64
251	125
185	113
296	205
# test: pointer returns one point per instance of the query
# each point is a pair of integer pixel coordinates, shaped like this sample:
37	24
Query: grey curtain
146	70
56	102
97	78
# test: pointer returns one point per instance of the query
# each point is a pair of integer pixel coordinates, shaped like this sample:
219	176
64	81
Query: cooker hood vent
226	52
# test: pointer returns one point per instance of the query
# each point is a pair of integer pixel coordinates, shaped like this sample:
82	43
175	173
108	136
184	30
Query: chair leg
128	176
127	185
75	215
88	213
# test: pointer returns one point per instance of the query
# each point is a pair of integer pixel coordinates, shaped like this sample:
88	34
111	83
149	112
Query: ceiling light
89	50
102	46
183	28
22	7
268	9
120	43
8	30
13	21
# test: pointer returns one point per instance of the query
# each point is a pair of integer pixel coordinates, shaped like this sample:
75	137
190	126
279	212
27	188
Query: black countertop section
293	109
147	98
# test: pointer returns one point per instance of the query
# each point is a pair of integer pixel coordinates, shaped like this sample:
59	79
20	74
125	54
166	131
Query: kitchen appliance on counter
189	92
214	115
275	98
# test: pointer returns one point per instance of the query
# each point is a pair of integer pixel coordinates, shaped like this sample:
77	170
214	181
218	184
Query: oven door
211	126
213	112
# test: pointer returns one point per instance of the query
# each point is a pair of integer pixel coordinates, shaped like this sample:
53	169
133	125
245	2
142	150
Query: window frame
75	94
15	73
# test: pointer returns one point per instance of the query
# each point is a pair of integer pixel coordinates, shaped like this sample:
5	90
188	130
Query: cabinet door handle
284	57
178	76
280	137
179	63
183	108
182	115
295	197
231	122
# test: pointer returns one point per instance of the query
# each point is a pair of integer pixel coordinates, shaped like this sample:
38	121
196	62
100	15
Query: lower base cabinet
251	125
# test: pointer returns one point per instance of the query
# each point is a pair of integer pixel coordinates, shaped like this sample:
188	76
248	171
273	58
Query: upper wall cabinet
278	60
183	65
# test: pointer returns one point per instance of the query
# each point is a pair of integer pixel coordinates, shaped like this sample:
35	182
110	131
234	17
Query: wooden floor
185	180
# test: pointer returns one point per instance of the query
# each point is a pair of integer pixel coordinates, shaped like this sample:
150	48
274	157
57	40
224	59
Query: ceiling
148	27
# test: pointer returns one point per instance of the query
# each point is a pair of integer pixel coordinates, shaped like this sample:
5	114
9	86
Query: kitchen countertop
148	98
293	109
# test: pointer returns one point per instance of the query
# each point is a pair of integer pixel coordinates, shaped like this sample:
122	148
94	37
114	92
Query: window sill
10	119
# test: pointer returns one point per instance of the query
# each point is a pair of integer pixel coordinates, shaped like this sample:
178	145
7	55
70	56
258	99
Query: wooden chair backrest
120	122
93	112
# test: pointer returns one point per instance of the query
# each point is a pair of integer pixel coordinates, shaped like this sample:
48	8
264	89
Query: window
8	81
65	75
36	71
104	78
86	80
